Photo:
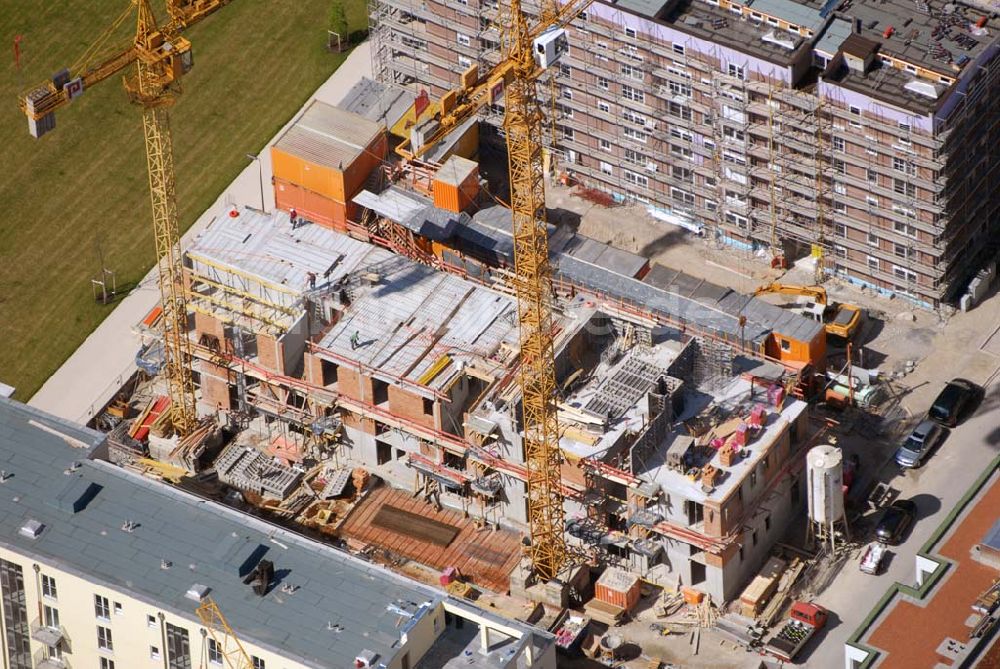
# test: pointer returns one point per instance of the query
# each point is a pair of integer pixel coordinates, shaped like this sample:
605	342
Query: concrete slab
105	360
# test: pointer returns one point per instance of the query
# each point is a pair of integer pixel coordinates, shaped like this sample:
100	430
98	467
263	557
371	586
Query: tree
338	23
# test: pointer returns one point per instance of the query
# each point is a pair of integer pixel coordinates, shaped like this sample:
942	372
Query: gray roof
333	586
836	32
382	103
605	255
796	13
328	136
412	211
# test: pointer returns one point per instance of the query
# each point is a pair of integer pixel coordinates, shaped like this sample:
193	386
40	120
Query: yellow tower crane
158	57
222	634
530	51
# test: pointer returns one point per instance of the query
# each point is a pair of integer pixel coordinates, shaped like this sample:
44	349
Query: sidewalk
97	369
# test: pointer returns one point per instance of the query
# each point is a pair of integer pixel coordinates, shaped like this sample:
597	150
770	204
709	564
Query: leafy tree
338	19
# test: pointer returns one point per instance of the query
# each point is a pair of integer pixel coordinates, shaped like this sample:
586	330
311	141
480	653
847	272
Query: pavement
106	359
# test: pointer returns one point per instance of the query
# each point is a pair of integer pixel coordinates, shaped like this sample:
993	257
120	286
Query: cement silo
825	483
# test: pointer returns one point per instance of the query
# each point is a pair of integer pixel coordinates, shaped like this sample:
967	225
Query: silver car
921	441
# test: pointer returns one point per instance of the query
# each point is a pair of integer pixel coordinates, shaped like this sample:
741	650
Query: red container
618	587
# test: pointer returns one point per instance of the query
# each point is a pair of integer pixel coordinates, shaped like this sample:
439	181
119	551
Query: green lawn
83	186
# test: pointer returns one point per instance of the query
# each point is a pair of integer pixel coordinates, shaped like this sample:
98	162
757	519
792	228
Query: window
771	21
49	587
634	157
680	173
839	144
603	106
565	70
873	239
118	609
50	616
214	652
635	135
736	71
567	93
839	188
840	252
873	263
900	186
101	608
257	662
839	166
629	32
636	179
732	197
711	205
677	88
428	406
104	641
872	176
904	211
603	83
632	72
680	151
151	621
178	648
465	61
872	201
840	230
681	133
737	220
567	132
855	111
904	274
767	520
840	207
154	653
565	111
604	145
634	118
606	168
107	663
630	93
464	39
734	158
681	196
901	251
733	134
678	49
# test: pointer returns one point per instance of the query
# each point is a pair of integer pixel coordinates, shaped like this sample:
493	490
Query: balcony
44	634
43	661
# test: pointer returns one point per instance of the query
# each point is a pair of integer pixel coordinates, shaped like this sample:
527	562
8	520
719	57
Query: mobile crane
841	321
530	51
159	57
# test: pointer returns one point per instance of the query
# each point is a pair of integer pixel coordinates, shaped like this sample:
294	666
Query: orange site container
312	206
618	587
456	184
330	153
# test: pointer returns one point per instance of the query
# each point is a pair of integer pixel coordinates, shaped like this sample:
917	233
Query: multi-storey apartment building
860	130
101	568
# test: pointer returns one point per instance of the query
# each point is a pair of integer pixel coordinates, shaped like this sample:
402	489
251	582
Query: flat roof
377	101
328	136
203	541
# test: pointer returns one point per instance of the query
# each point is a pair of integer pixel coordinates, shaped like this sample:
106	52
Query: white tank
825	478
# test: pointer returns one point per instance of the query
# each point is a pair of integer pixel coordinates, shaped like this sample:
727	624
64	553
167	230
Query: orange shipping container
618	587
329	151
312	206
456	184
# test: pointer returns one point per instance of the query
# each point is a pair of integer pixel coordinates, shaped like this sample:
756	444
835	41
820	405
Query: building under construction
861	130
338	353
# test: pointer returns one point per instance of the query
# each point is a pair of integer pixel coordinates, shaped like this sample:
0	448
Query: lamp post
260	173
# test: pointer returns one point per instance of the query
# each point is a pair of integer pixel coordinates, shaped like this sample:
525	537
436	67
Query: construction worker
294	215
312	280
355	340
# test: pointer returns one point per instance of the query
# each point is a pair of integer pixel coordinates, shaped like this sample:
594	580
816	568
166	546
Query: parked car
897	517
921	441
957	396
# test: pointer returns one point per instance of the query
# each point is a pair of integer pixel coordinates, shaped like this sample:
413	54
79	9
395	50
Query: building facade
861	131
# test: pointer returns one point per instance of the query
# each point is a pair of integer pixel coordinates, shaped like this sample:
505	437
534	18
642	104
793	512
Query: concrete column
484	638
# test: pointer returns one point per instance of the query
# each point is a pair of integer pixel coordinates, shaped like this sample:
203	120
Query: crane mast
533	282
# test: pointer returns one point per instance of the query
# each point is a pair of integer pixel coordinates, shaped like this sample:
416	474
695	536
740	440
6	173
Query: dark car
957	396
894	521
921	441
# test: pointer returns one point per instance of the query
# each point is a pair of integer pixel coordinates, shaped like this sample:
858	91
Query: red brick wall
312	369
205	324
354	385
214	385
270	353
409	405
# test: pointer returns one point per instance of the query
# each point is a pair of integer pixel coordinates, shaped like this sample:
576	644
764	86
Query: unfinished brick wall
208	325
410	406
215	384
352	384
312	369
270	353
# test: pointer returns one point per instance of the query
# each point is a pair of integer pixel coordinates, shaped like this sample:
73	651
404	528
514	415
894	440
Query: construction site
358	363
407	360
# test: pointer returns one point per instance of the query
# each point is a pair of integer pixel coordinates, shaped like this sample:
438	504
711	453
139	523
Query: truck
804	620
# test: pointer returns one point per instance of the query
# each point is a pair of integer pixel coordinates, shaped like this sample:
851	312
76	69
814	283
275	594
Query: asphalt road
936	487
